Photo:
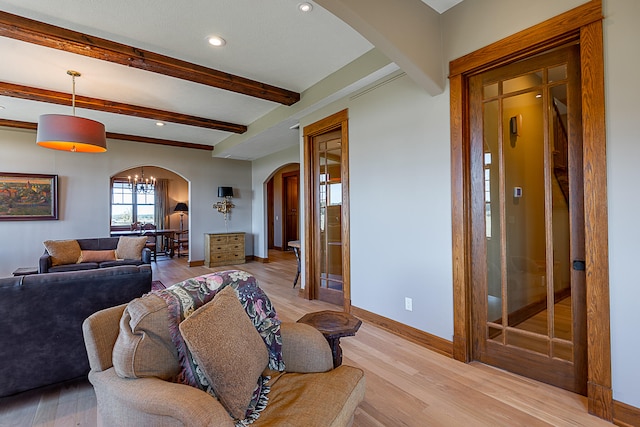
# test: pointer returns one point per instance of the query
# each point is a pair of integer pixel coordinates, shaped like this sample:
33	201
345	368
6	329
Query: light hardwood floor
407	385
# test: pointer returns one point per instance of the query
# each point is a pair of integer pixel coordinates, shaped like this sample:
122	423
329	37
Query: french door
527	222
327	210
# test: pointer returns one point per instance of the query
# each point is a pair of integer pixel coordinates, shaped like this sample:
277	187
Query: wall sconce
225	206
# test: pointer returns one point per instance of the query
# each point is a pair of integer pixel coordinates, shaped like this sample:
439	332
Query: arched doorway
156	206
283	201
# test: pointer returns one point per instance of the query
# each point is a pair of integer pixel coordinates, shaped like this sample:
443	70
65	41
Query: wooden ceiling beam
43	34
16	124
61	98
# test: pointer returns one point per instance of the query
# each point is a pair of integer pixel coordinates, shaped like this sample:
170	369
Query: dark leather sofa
41	340
97	244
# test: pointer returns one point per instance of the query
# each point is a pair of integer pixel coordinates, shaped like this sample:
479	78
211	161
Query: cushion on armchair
232	366
144	347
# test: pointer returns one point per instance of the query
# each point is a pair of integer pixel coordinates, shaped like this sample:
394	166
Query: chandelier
140	184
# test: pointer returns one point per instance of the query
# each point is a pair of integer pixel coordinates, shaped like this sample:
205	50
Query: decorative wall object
28	197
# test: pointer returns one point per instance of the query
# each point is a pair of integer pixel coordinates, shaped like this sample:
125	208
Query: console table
223	249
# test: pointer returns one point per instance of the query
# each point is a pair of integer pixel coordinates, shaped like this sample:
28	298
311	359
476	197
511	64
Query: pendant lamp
71	133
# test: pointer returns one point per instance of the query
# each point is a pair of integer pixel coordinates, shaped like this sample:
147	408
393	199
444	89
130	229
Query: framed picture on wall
28	197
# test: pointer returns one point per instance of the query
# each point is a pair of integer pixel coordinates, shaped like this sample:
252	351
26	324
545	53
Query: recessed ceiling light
159	124
216	41
305	7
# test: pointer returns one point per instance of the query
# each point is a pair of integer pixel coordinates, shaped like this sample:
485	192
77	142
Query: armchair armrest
100	336
152	401
44	262
304	349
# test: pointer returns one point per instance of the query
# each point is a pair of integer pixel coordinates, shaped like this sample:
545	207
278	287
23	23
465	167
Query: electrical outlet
408	304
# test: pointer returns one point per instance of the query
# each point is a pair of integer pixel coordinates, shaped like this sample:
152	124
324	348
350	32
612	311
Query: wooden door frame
286	175
335	121
583	23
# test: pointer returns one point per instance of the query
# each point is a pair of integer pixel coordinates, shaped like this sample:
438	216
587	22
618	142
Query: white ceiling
267	41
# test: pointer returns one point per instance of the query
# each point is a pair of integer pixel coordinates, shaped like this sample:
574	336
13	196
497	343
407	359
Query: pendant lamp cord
73	75
73	94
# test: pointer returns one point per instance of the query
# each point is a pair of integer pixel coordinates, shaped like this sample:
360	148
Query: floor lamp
181	208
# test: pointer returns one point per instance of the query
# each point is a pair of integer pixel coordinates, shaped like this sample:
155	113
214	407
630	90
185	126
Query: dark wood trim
334	121
583	22
555	31
158	141
283	208
43	34
308	215
197	263
424	339
62	98
600	393
346	226
258	259
460	221
625	415
16	124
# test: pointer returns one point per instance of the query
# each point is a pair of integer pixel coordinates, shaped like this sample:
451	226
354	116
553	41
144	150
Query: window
127	209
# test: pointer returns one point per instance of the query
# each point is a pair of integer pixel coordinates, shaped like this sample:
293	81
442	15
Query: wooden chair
152	240
181	241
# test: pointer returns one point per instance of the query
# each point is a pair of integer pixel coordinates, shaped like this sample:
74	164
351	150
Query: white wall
621	33
401	205
400	202
84	192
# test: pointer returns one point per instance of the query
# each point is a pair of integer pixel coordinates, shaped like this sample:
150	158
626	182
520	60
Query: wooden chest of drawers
223	249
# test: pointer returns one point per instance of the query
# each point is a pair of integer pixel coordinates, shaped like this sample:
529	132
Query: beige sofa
310	393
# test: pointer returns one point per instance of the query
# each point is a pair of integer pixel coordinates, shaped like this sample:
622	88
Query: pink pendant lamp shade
71	133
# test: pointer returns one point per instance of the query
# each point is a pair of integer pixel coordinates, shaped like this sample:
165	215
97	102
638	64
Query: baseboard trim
258	259
625	415
424	339
197	263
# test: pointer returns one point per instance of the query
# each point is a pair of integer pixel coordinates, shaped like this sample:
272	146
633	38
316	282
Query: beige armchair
310	392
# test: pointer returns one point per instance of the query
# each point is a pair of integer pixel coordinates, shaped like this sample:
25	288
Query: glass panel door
529	215
329	180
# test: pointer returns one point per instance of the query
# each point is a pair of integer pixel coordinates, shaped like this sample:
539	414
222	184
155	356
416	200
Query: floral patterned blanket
186	297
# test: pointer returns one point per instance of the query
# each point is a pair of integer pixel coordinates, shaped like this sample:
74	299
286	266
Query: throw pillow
97	256
144	347
228	350
130	247
63	251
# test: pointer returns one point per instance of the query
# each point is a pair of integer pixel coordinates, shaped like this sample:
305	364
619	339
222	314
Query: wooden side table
25	271
333	325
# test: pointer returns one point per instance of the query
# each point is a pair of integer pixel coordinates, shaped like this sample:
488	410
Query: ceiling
272	49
